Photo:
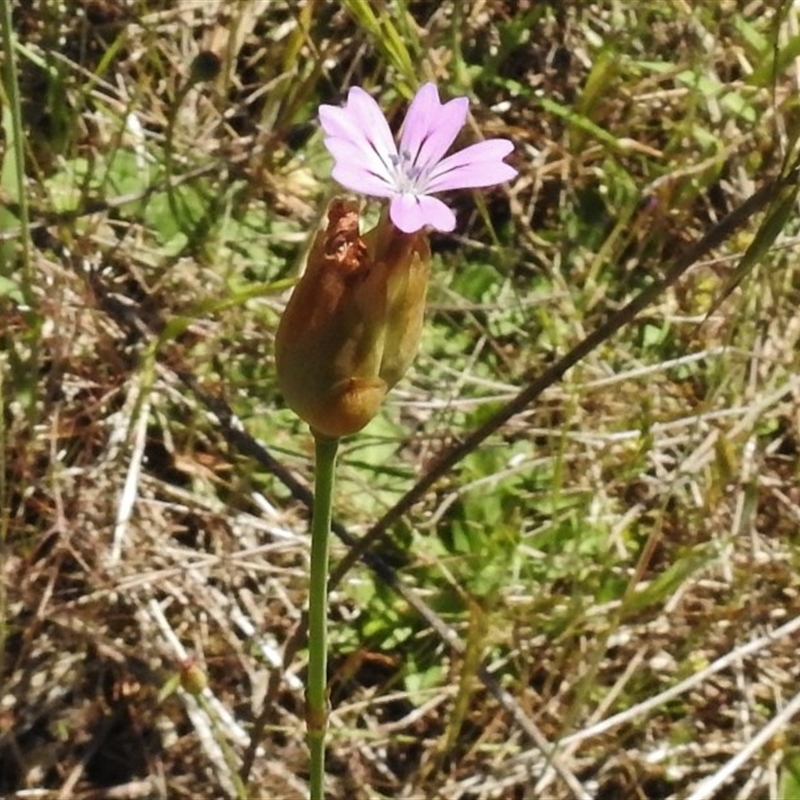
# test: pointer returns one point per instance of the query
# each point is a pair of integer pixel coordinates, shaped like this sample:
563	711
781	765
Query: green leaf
387	37
11	289
169	687
662	588
789	788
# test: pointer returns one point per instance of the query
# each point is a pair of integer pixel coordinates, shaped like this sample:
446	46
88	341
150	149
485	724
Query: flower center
408	177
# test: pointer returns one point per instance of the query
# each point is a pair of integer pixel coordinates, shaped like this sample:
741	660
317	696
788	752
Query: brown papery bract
353	323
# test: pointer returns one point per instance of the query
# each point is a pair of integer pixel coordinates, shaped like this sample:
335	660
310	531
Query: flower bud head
353	323
193	679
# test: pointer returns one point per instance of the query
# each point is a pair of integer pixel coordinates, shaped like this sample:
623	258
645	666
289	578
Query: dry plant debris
612	578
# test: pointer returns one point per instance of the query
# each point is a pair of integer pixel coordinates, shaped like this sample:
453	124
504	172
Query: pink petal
335	121
478	165
411	212
362	124
349	156
430	127
360	180
367	115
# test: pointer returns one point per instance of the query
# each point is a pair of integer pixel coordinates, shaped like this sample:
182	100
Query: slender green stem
316	688
13	182
16	133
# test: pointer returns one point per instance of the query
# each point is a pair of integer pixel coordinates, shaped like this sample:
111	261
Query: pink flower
367	159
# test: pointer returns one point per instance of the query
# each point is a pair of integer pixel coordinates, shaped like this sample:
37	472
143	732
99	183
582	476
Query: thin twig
129	493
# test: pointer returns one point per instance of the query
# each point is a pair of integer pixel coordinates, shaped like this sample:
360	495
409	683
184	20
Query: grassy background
614	570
